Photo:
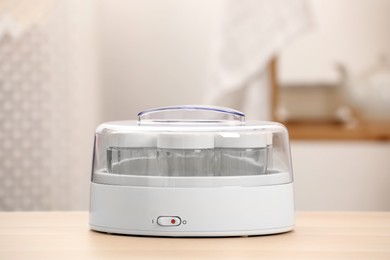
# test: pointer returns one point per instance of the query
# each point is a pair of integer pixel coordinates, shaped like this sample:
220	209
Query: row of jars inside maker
190	154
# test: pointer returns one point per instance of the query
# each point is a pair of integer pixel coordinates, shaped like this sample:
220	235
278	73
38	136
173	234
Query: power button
168	221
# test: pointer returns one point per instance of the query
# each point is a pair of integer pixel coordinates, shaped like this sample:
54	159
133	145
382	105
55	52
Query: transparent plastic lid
191	114
191	146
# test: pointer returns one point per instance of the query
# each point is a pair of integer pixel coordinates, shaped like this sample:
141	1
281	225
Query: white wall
353	32
154	53
157	53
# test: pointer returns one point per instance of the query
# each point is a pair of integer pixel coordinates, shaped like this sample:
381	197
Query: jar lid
185	140
132	140
242	140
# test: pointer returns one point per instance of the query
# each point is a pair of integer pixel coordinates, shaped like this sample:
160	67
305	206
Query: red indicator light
173	221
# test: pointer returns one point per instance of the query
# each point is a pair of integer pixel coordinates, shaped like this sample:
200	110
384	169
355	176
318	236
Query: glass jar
270	160
132	154
186	154
239	154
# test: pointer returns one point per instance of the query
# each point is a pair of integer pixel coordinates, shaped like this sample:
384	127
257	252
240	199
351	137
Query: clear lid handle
191	114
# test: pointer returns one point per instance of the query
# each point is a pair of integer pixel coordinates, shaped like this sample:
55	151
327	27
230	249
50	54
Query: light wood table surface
318	235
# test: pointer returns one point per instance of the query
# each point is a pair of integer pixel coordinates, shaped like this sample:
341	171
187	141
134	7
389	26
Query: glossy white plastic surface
230	211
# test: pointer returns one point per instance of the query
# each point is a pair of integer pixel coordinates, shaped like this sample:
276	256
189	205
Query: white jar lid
185	140
242	140
132	140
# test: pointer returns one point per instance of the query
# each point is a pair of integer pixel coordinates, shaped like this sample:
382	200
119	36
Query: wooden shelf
338	131
326	130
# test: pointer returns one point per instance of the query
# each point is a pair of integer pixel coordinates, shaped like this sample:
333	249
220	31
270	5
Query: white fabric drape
48	104
251	33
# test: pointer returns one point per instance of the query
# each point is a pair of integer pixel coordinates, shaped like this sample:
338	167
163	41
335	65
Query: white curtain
251	33
49	97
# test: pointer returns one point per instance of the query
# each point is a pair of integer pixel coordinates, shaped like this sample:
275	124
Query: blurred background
321	67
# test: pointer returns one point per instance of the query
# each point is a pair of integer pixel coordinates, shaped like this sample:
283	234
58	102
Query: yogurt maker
191	171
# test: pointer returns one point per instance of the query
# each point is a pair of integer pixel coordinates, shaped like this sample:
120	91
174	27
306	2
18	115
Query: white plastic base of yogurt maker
192	212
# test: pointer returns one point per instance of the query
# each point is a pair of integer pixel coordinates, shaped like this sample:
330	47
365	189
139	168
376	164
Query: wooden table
318	235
